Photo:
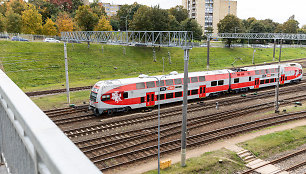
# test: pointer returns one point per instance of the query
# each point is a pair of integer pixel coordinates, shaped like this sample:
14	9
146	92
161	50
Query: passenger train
124	94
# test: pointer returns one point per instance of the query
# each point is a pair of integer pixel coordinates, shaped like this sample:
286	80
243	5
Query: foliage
46	9
142	19
192	25
64	23
18	6
179	13
3	8
159	19
126	13
257	27
2	23
13	22
103	25
85	18
228	25
291	25
49	28
114	22
174	25
64	5
31	21
98	9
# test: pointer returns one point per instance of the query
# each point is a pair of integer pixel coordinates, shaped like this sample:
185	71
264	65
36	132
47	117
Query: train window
169	82
272	70
169	95
267	81
272	80
142	100
201	78
105	97
188	92
194	79
178	81
162	96
257	72
214	83
236	80
162	83
150	84
250	79
125	95
178	94
286	78
267	71
262	71
276	70
262	81
148	98
220	82
194	92
140	85
300	71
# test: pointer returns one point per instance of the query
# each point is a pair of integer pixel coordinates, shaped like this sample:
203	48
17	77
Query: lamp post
158	131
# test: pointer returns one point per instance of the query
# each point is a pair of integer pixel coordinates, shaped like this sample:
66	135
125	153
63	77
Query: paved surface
3	169
228	143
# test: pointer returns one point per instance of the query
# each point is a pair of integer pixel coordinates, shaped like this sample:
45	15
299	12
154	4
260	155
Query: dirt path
228	143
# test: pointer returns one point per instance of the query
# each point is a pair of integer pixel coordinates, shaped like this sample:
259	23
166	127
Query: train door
282	79
202	92
150	99
256	83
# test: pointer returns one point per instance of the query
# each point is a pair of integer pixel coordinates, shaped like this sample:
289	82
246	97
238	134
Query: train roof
252	68
146	78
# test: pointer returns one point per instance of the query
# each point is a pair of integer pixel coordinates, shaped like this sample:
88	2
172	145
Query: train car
124	94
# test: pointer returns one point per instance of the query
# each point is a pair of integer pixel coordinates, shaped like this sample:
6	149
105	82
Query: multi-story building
208	13
111	9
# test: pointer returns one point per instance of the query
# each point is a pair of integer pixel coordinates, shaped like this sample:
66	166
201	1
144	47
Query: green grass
207	163
267	145
40	66
60	100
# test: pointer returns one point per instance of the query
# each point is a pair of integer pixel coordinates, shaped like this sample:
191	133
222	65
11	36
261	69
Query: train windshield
93	96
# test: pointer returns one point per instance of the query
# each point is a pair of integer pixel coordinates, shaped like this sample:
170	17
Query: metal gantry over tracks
278	36
145	38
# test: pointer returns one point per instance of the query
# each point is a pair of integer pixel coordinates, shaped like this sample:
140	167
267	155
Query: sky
277	10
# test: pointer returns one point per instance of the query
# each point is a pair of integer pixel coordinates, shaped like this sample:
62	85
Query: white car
51	40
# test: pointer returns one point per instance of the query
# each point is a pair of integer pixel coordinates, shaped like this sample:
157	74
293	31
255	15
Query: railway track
194	140
171	112
283	158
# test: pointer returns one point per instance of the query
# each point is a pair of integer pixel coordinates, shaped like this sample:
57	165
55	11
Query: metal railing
283	36
30	142
30	37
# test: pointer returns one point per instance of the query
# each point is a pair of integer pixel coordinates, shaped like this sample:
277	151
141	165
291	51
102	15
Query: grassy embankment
40	66
262	147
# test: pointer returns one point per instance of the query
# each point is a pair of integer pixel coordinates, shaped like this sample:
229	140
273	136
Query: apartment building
111	9
208	13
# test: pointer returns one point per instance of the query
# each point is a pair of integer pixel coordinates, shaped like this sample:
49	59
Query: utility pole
66	72
208	49
184	119
274	50
278	75
253	56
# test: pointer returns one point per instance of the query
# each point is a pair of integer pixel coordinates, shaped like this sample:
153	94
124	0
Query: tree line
50	17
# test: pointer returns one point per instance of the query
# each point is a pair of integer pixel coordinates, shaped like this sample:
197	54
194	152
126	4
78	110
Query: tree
31	21
159	19
64	23
97	8
142	19
174	25
13	22
179	13
246	24
103	25
64	5
2	23
126	13
228	25
114	22
3	8
257	27
18	6
49	28
291	25
46	9
85	18
192	25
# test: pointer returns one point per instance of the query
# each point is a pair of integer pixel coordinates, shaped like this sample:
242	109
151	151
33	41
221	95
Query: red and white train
131	93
